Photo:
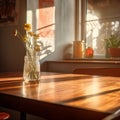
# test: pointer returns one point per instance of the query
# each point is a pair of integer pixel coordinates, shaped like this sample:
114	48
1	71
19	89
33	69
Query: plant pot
114	52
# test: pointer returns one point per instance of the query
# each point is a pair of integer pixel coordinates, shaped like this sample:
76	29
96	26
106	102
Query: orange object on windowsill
89	52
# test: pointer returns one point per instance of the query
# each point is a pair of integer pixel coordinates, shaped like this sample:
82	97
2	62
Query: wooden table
61	96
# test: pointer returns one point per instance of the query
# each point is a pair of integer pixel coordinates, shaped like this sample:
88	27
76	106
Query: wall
64	30
64	34
12	50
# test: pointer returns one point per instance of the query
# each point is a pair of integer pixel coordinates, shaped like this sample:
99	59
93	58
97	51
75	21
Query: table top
56	93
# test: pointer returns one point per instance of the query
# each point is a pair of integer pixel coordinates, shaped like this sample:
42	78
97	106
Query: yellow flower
27	27
36	36
25	38
29	39
31	33
37	48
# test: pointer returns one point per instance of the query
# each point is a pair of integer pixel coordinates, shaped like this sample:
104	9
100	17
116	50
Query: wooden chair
98	71
4	116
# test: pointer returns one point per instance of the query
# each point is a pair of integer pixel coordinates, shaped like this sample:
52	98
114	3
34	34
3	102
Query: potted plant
113	46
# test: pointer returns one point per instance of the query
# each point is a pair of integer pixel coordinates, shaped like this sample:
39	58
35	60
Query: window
41	15
98	20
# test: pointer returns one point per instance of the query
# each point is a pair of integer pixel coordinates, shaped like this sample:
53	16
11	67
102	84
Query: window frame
80	25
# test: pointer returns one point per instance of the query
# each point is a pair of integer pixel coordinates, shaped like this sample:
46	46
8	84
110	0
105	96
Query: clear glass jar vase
31	71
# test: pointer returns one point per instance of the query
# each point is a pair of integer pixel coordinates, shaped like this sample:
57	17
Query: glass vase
31	72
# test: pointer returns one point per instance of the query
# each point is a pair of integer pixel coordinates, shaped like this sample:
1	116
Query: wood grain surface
62	96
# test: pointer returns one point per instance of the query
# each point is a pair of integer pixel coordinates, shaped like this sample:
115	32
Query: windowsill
91	60
97	60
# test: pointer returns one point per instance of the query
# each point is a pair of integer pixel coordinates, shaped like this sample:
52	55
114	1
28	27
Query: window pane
103	19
